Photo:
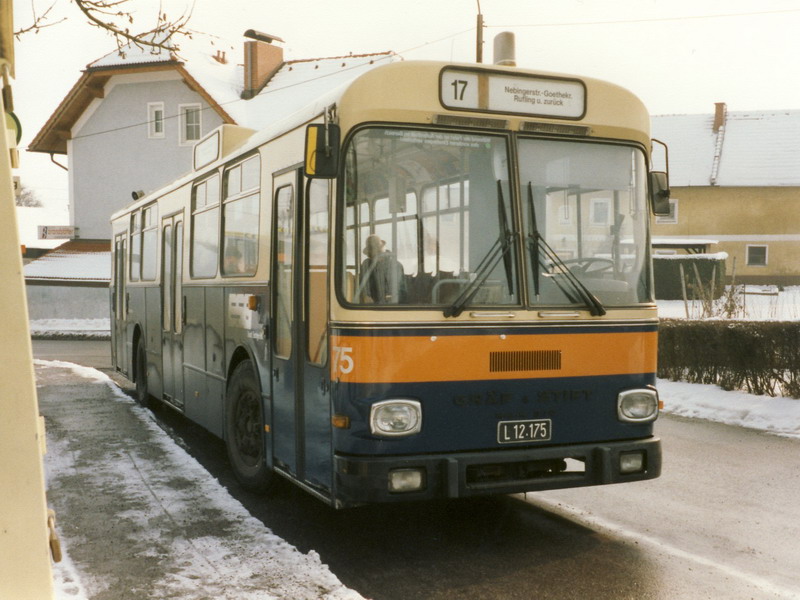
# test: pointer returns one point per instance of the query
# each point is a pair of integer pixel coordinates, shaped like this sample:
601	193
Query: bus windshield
585	219
428	220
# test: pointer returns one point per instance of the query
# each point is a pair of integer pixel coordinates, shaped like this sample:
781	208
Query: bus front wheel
244	429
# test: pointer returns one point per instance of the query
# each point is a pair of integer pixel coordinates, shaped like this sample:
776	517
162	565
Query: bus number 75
343	359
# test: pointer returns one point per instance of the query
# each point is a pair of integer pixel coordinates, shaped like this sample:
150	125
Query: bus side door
172	309
119	305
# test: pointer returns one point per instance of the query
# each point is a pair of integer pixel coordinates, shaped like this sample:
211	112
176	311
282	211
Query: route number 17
459	87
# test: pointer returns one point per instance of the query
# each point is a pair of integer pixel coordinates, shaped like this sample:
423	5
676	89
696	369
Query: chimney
720	115
262	60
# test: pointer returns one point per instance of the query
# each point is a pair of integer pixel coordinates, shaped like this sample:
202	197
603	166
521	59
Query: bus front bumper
365	480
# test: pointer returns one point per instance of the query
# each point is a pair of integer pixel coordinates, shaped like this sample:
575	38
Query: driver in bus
382	277
234	262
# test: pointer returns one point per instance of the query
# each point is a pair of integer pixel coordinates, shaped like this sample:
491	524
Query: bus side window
317	272
284	270
149	243
136	247
205	227
240	218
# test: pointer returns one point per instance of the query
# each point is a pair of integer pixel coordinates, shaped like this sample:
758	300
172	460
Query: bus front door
172	309
301	427
285	392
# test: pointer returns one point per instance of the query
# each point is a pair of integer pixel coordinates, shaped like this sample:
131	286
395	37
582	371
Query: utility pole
479	40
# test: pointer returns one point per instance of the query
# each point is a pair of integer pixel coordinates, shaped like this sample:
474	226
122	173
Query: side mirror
659	193
322	151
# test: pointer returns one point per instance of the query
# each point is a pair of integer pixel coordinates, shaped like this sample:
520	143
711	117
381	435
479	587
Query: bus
434	282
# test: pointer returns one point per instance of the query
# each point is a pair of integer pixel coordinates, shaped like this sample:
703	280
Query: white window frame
182	111
672	218
153	121
606	202
766	255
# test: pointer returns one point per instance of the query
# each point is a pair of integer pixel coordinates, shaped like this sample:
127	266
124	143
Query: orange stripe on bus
386	359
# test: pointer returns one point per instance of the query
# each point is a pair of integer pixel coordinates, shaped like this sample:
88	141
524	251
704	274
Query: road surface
723	521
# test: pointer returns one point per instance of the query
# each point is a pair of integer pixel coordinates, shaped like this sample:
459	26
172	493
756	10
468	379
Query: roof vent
505	49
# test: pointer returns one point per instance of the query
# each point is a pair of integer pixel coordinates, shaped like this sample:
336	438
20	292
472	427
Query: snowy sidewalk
139	518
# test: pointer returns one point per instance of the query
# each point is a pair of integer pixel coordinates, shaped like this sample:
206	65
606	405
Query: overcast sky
679	56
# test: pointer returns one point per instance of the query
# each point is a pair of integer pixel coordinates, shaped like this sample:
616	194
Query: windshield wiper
537	246
499	250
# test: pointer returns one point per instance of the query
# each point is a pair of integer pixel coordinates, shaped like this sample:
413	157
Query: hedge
760	357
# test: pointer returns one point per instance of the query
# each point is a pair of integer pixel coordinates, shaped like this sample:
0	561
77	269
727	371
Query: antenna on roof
261	36
479	36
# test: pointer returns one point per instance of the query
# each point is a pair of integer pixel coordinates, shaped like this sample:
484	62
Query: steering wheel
587	266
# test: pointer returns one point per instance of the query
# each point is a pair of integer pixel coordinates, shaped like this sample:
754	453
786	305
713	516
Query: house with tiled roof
735	180
129	123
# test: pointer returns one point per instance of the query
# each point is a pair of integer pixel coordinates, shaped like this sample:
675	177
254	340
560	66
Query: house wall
111	154
67	302
740	217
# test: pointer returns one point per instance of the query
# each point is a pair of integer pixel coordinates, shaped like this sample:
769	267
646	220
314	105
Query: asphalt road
723	521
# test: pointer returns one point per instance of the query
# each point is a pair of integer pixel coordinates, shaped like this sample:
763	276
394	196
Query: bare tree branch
39	22
106	14
114	17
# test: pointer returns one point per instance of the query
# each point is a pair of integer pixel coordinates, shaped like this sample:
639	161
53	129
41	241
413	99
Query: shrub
761	357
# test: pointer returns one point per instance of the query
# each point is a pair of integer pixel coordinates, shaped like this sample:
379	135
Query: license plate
514	432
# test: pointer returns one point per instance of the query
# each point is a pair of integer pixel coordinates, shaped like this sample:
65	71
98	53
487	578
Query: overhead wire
462	32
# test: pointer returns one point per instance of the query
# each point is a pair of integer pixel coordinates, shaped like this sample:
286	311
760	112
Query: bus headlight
395	418
638	406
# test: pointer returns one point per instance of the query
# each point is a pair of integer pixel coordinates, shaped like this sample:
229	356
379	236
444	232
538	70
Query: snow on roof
75	260
758	148
296	84
681	241
301	82
134	53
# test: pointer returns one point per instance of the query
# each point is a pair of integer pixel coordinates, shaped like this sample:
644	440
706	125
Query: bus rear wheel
244	429
142	394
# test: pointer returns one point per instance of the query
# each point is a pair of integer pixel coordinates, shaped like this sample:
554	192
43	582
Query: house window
190	123
756	256
155	120
672	217
599	211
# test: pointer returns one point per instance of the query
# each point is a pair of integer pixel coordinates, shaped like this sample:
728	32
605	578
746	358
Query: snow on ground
236	558
759	303
780	416
89	328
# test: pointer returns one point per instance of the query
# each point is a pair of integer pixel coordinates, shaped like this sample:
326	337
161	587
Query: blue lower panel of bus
360	480
467	444
465	416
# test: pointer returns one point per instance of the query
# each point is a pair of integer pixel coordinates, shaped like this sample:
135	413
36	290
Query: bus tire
244	429
142	394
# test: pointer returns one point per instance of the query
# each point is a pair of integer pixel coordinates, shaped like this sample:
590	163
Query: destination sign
56	232
516	94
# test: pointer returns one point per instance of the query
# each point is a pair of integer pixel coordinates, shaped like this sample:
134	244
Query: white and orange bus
435	282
